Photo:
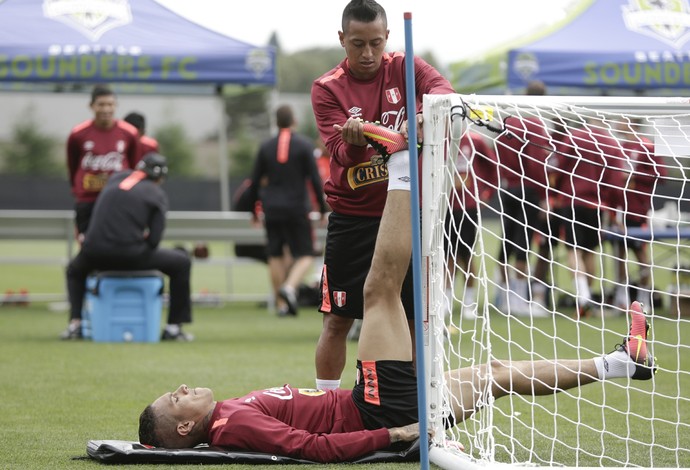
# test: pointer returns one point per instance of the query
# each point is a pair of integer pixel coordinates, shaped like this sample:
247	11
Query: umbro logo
355	111
404	179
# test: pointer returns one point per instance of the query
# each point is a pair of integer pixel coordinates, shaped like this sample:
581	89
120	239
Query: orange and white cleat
384	140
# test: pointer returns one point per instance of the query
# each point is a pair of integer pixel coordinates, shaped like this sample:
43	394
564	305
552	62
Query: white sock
616	364
399	171
469	298
172	328
582	288
322	384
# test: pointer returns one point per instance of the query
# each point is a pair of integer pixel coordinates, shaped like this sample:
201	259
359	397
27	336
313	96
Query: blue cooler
123	306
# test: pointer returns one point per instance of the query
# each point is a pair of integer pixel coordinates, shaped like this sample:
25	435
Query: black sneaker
72	332
179	336
288	295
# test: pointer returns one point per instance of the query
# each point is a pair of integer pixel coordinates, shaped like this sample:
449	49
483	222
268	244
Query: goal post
543	218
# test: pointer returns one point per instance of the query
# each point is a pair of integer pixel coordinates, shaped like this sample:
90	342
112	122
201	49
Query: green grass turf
649	419
58	395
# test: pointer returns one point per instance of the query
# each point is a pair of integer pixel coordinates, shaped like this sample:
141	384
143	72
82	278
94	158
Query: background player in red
147	144
475	176
549	226
368	85
97	148
589	180
521	153
381	409
646	172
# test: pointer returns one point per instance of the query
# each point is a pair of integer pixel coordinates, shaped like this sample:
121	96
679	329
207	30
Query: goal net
543	219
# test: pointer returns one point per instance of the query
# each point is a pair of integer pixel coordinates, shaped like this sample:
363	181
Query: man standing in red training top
97	148
147	144
368	85
521	153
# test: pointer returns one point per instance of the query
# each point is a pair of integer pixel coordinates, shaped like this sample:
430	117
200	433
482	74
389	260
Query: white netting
572	191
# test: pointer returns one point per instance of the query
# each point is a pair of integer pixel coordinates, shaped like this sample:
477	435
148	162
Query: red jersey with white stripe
94	153
475	155
318	425
356	186
647	169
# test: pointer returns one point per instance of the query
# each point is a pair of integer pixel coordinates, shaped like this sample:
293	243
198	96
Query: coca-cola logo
111	161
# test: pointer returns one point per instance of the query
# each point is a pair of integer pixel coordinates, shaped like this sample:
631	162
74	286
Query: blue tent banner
624	44
120	41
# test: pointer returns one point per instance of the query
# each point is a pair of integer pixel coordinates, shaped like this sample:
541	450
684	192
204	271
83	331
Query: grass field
58	395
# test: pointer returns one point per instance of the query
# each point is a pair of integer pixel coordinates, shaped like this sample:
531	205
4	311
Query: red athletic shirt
588	169
318	425
646	168
477	154
521	153
355	186
93	154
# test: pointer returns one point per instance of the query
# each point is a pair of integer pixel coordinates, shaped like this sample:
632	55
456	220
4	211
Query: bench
182	226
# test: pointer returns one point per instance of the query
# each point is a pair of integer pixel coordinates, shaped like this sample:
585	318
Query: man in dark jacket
284	165
125	230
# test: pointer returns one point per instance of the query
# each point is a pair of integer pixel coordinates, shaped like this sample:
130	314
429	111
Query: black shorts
461	232
82	215
520	211
295	232
385	393
582	226
347	259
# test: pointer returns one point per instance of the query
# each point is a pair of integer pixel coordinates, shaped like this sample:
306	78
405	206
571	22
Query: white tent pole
223	154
